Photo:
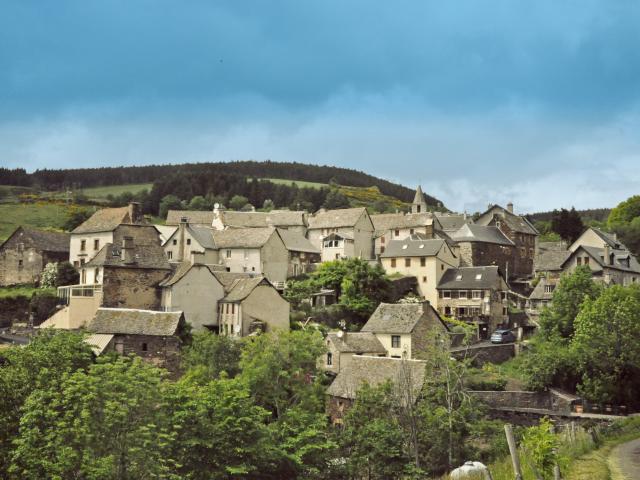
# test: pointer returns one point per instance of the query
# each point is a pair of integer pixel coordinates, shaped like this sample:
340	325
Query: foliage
238	201
198	202
209	355
49	275
42	305
624	219
335	199
567	223
76	217
67	275
541	446
168	202
550	363
571	291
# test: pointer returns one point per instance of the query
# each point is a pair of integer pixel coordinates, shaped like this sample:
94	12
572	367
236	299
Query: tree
237	202
607	343
49	275
209	355
279	368
567	223
541	446
624	212
168	202
67	275
336	199
364	287
105	423
199	203
268	205
569	294
75	217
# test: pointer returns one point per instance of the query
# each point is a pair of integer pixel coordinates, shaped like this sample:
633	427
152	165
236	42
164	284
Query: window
21	247
407	262
411	231
76	263
169	254
96	244
96	274
458	278
228	253
329	359
424	279
83	276
20	263
531	252
188	241
479	276
549	288
446	294
381	249
175	242
393	263
423	261
579	260
395	341
120	348
441	266
504	310
382	239
476	294
586	261
253	269
144	347
463	294
83	245
233	308
397	233
82	261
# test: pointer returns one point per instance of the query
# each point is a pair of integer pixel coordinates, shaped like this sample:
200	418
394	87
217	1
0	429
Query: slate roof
202	235
106	220
550	256
413	246
451	222
227	279
376	371
517	223
165	231
356	342
620	257
43	240
242	237
194	217
296	241
343	217
490	277
481	233
146	256
181	269
607	238
242	288
126	321
390	221
274	218
539	292
397	317
98	342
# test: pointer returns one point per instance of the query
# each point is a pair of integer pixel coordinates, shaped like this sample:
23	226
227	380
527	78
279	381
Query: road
624	461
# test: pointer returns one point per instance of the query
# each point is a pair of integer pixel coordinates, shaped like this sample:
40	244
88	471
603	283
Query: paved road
624	461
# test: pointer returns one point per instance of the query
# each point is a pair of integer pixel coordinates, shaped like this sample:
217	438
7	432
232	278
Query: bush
42	306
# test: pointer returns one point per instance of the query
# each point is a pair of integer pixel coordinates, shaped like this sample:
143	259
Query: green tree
624	213
279	368
572	290
76	217
67	275
364	287
541	446
335	199
168	202
268	205
209	355
607	342
107	423
199	203
567	223
237	202
42	364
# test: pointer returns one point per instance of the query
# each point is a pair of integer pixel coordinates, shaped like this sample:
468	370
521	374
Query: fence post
513	450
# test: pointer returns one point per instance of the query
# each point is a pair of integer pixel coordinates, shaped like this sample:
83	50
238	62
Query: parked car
503	336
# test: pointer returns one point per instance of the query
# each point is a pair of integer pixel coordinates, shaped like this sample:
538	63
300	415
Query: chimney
426	306
181	237
510	207
127	253
135	212
607	254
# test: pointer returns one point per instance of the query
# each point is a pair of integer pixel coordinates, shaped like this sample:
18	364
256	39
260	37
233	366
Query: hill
588	216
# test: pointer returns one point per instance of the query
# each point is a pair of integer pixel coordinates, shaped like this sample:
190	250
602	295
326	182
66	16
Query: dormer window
421	245
404	247
479	276
458	278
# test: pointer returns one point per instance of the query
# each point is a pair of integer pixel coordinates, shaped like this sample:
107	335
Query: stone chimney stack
510	207
135	212
607	254
127	254
181	237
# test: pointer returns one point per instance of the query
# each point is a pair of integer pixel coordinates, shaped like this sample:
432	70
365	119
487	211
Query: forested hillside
91	177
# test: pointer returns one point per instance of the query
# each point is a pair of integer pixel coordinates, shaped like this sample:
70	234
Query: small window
579	260
188	241
253	269
504	310
458	278
382	239
586	260
169	254
96	244
404	247
411	231
329	359
397	233
479	276
20	263
407	262
228	253
423	262
446	294
463	294
393	263
233	308
395	341
144	347
476	294
21	247
175	241
96	275
424	279
83	245
442	266
76	263
82	261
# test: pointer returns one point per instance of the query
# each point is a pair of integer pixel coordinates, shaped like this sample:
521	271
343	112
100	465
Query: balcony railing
73	291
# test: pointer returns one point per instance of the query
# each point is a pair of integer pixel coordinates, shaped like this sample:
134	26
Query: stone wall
486	353
126	287
14	310
552	400
337	408
163	352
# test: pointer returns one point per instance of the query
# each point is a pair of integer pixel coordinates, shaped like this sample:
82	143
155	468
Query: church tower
419	204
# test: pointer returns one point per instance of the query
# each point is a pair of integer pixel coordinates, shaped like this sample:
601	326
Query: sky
535	102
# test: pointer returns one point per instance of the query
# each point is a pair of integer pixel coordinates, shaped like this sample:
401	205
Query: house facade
187	240
342	346
342	233
477	295
27	251
398	226
608	265
425	259
303	256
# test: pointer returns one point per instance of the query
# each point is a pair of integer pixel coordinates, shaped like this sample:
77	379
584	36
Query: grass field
299	183
38	215
22	291
102	192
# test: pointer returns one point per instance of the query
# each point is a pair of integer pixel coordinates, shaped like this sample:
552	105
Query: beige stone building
302	254
477	295
252	305
27	251
188	239
342	233
608	265
398	226
406	330
425	259
342	346
98	230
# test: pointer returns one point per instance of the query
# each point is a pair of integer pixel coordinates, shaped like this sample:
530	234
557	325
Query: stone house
88	238
594	237
521	232
425	259
406	376
406	330
154	336
480	246
253	250
202	218
477	295
303	256
448	223
27	251
547	267
398	226
252	305
342	233
188	239
291	220
342	346
612	266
